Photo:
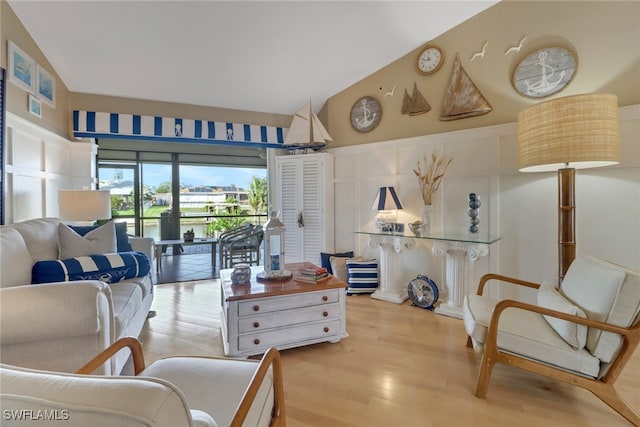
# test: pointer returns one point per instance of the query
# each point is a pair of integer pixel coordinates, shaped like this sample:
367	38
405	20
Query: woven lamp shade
578	131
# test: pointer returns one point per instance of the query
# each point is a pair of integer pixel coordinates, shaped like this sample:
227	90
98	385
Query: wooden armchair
176	391
582	335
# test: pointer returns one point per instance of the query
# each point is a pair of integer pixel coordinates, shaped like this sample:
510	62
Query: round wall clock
544	72
430	60
423	292
366	114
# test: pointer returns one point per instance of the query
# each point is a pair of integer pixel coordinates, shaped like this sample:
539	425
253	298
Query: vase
474	213
427	219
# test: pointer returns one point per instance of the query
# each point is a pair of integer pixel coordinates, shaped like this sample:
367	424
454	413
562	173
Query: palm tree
258	192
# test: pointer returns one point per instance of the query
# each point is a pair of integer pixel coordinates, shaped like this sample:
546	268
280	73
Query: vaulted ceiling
264	56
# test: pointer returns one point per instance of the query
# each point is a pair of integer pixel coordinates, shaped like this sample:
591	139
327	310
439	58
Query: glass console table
460	251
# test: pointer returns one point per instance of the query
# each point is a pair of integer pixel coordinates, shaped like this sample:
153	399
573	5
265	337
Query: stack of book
313	275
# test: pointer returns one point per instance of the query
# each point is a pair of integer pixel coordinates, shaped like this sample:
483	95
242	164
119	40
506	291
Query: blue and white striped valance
91	124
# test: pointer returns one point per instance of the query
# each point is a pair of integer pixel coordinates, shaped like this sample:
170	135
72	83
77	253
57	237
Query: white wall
38	164
522	208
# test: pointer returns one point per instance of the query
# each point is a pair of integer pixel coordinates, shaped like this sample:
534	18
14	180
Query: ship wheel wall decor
544	72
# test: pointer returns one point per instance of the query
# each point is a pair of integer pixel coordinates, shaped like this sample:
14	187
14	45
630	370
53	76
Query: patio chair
241	246
583	334
171	392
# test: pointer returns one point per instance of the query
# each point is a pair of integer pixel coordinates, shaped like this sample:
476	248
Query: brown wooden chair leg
469	342
610	396
489	359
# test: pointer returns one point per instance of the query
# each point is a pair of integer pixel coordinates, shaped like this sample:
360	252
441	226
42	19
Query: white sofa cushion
606	292
95	400
574	334
41	237
102	240
339	266
15	259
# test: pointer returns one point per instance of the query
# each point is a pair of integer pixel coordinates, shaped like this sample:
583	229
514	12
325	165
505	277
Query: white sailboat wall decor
306	132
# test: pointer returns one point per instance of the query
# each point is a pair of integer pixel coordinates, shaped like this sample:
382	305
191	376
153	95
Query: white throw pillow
102	240
575	335
339	266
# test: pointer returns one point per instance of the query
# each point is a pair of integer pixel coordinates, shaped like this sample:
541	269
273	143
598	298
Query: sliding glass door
165	199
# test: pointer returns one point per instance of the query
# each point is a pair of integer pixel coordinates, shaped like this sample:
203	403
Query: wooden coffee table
281	314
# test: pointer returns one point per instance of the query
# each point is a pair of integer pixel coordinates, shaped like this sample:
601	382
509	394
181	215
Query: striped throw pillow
109	268
363	276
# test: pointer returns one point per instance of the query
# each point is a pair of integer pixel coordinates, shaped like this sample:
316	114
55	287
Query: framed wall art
366	114
3	77
22	69
544	72
46	87
35	106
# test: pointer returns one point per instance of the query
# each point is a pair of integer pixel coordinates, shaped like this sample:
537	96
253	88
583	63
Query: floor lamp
565	134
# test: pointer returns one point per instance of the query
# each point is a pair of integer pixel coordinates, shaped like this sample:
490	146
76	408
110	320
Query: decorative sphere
474	203
473	213
473	229
475	221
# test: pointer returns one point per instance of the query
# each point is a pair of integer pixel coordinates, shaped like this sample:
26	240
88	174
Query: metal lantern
274	250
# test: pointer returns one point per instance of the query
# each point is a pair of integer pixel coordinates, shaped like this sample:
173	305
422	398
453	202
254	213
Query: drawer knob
326	329
256	308
256	341
325	314
256	324
325	298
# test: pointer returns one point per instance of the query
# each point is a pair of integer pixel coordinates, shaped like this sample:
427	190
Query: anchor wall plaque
366	114
544	72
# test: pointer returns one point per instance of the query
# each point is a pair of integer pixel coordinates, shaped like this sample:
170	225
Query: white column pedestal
391	287
459	259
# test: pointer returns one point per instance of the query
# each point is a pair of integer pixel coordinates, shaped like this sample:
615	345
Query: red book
314	271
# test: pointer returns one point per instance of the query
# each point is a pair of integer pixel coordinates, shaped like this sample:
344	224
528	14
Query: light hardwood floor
400	366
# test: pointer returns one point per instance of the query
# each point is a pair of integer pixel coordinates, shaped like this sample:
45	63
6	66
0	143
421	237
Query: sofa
65	297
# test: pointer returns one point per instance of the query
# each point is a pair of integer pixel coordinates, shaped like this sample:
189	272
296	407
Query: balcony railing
202	224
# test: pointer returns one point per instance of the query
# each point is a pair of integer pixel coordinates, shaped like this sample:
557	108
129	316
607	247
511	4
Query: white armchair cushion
574	334
102	240
606	292
195	375
95	400
526	333
477	311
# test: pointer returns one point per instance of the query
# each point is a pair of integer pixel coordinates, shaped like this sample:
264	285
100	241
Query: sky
156	174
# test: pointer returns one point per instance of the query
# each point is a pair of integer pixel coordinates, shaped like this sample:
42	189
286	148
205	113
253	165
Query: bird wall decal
481	53
391	92
516	48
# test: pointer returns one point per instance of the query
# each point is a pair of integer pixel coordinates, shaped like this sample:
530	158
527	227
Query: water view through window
211	199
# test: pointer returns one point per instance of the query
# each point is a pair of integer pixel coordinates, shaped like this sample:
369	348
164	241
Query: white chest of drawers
281	314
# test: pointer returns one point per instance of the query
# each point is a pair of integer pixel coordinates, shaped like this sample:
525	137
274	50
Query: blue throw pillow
325	259
363	276
109	268
122	239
